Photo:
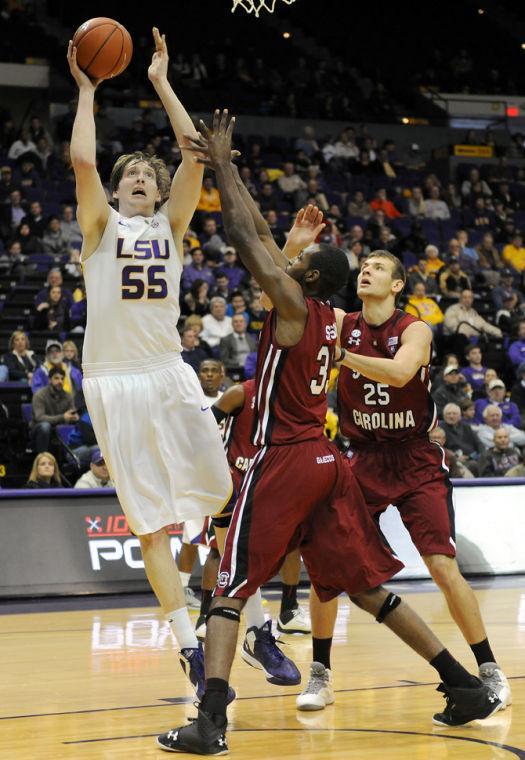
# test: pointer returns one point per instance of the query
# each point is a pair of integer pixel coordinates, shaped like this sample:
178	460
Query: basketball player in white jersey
158	436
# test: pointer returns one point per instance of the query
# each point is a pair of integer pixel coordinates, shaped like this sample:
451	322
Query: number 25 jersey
132	288
290	402
373	413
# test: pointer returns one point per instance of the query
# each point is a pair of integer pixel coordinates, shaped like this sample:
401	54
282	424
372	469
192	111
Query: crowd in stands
459	237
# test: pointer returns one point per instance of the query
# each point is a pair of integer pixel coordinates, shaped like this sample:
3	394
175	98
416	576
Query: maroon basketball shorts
303	495
412	476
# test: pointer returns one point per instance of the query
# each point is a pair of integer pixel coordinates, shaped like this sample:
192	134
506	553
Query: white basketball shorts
159	439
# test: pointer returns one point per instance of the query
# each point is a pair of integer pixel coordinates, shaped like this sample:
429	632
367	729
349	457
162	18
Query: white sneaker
294	621
192	600
495	679
319	691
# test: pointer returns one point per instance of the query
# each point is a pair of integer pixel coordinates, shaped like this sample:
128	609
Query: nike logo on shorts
204	408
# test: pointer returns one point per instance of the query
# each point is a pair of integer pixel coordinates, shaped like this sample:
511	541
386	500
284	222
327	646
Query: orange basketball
104	47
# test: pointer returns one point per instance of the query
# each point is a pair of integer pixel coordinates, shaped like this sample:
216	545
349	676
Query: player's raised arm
231	401
413	354
93	208
187	182
286	294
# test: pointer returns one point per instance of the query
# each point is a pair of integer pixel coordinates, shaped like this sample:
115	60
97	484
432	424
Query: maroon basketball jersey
292	380
237	435
371	412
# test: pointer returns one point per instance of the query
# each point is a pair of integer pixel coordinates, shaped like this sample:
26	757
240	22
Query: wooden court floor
103	683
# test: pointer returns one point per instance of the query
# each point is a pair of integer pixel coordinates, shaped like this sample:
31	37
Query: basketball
104	47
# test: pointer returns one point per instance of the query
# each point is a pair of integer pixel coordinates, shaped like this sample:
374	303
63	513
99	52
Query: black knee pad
221	521
391	602
226	612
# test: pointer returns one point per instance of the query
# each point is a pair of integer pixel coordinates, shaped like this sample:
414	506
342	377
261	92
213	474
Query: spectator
235	274
453	280
308	143
54	278
36	219
381	203
256	315
237	305
197	301
53	314
464	320
489	260
415	241
20	361
210	238
14	263
12	213
505	290
70	227
197	270
474	373
44	472
492	420
419	274
82	438
52	406
234	348
420	305
222	285
468	412
499	459
28	242
456	469
452	390
416	203
473	179
516	350
97	476
24	144
216	325
209	200
290	182
359	206
497	394
514	253
517	394
192	353
195	321
71	357
55	358
461	438
468	256
435	208
433	263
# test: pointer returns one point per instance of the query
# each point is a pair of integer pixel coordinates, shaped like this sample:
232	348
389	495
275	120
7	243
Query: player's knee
444	571
150	541
370	600
229	609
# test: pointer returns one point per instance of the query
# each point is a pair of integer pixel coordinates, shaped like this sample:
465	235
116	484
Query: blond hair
162	174
71	344
14	336
56	477
193	320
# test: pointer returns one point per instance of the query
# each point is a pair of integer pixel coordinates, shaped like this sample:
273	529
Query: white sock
253	611
184	578
182	628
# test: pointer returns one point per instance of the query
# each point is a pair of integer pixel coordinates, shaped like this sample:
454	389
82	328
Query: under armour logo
173	735
492	698
222	741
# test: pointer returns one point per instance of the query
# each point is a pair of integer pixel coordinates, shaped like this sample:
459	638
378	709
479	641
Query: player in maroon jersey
386	411
338	542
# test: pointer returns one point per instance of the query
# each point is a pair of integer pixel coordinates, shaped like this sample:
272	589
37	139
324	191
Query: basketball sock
253	611
184	578
206	597
321	651
182	628
452	672
288	598
215	699
482	652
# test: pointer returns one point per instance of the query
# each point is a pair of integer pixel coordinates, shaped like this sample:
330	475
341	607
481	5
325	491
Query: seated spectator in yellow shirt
434	263
420	305
209	200
514	253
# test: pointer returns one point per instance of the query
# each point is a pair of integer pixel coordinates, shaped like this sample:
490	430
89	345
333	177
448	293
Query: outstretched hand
158	68
214	147
80	77
307	226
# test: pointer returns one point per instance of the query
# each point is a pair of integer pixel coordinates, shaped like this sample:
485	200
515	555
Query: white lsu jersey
132	288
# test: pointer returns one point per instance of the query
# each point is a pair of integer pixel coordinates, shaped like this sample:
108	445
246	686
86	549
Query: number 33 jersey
371	412
290	401
132	288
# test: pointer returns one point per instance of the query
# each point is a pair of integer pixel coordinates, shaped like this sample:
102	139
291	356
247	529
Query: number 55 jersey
132	285
371	412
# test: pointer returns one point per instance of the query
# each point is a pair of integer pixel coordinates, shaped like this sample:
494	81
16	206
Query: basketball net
255	6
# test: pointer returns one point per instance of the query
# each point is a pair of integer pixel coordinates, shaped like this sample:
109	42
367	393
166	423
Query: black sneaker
201	737
464	705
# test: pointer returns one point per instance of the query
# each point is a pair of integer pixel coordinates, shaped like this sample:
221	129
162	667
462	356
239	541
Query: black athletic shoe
464	705
201	737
